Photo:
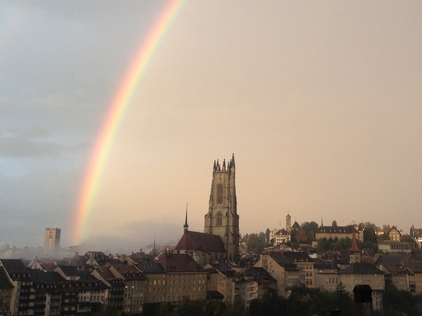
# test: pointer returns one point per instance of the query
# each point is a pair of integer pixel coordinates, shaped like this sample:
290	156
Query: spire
232	164
355	247
224	164
215	166
355	255
322	222
186	226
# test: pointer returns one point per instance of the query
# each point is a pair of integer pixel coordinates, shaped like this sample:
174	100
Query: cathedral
220	239
222	218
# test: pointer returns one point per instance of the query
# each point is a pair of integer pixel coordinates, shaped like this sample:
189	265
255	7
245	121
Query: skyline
320	104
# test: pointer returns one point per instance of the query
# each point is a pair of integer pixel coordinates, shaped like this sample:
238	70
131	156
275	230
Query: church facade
222	218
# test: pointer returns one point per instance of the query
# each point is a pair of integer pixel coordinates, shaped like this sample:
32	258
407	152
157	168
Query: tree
386	228
323	245
269	305
343	301
369	235
310	229
301	236
343	244
256	243
267	234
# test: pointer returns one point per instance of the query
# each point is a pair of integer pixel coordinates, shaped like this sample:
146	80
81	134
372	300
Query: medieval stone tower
222	218
288	223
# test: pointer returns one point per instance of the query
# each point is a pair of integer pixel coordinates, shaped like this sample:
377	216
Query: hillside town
219	266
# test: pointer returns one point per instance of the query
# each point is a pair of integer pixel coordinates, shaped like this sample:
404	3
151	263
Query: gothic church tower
222	218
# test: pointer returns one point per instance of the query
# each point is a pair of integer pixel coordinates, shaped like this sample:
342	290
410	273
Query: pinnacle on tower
354	247
186	226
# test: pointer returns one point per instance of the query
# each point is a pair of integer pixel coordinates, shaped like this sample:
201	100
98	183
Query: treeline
302	301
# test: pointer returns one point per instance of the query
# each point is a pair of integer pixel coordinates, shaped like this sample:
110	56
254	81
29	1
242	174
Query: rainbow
115	114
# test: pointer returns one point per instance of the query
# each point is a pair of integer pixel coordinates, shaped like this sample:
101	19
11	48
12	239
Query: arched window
219	219
219	194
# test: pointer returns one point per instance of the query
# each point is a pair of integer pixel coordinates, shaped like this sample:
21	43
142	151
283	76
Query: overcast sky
320	101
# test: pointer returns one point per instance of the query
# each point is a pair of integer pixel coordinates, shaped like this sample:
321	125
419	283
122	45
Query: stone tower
222	218
52	241
288	223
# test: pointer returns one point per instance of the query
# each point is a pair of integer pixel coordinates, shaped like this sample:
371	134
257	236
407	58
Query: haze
319	101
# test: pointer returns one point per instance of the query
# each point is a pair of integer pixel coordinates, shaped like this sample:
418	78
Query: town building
286	272
116	285
306	266
364	273
279	236
416	268
399	276
134	287
394	234
221	279
89	294
185	278
155	287
395	246
338	232
326	276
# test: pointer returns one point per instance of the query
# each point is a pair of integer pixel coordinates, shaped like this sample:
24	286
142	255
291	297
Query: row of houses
90	283
128	286
197	270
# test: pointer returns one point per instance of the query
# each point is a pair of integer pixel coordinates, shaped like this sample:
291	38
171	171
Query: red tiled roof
48	266
129	272
106	273
361	268
175	262
355	247
201	242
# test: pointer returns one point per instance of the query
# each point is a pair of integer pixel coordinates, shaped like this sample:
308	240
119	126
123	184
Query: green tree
305	301
323	245
310	229
256	243
386	228
343	244
369	235
269	305
342	301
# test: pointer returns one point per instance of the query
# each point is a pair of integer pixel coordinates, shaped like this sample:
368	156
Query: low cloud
137	235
